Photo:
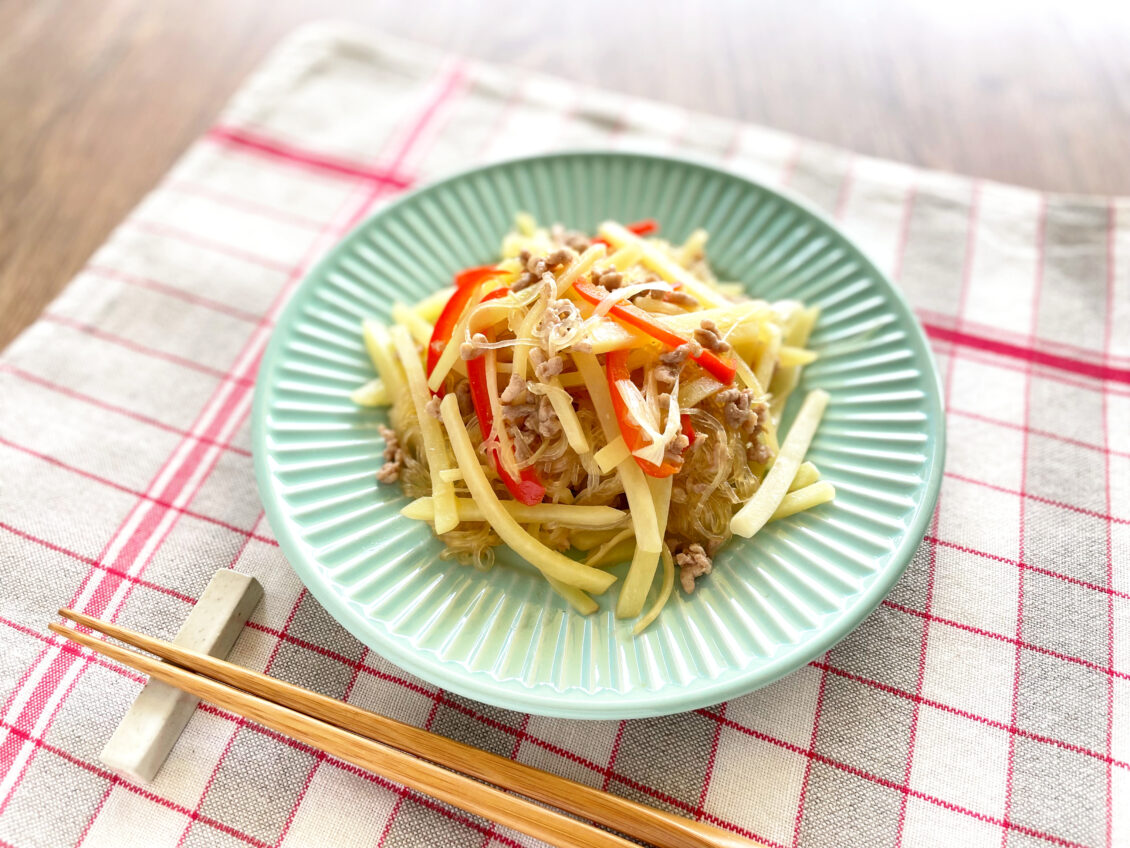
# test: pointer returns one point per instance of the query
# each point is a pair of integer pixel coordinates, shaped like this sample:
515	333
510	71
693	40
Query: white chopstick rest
159	713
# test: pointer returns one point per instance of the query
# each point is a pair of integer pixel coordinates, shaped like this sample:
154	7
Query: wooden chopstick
657	827
421	775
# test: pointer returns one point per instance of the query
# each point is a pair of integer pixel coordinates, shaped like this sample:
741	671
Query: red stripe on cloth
156	587
809	753
105	481
265	145
1027	566
450	85
1028	354
27	376
613	754
803	798
1011	640
245	204
1108	336
968	354
931	566
890	784
938	705
1024	495
790	164
73	649
846	186
904	232
90	821
1026	420
116	780
1024	340
136	347
1036	431
710	765
196	240
174	291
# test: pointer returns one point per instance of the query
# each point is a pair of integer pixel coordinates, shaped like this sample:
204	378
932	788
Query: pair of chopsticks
433	765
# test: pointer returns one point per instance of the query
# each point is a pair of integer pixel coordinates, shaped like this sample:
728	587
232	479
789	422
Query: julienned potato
606	395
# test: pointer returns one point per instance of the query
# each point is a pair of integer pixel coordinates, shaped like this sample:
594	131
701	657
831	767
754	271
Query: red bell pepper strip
453	310
474	276
528	489
688	429
495	294
629	313
616	366
640	228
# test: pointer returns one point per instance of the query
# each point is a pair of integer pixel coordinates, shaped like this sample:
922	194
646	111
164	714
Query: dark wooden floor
98	98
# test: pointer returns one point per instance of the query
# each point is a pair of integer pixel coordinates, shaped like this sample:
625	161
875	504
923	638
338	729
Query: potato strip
612	454
372	393
420	329
379	346
806	475
430	307
633	593
802	499
664	593
435	448
563	405
498	430
577	599
549	562
640	503
760	508
589	517
583	265
663	265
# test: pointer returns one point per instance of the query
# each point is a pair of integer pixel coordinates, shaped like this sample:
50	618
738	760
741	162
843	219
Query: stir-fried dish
589	401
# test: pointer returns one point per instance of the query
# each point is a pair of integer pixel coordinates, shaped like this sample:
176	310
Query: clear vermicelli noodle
595	400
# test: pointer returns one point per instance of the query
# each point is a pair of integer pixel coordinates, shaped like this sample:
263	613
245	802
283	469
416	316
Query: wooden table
97	99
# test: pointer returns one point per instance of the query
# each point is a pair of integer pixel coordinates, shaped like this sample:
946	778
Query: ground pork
572	239
515	390
675	298
611	278
544	368
474	348
393	456
671	363
546	424
517	411
739	411
708	336
559	258
693	562
673	453
680	298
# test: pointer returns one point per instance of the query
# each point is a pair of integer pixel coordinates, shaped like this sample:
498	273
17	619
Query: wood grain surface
97	99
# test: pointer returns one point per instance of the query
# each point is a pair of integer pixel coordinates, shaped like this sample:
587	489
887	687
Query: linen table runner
986	702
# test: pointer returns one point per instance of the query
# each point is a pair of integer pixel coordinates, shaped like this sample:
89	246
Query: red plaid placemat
986	702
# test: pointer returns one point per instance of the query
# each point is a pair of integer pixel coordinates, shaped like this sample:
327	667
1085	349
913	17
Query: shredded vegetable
591	401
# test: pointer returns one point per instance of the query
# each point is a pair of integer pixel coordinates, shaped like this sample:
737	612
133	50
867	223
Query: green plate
772	604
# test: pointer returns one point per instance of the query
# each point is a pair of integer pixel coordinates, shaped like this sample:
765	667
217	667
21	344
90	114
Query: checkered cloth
986	702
